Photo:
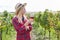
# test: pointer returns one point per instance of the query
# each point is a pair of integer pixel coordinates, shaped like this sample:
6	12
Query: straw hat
19	6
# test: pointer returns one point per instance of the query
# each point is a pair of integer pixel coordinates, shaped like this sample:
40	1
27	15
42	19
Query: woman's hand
27	27
31	20
26	24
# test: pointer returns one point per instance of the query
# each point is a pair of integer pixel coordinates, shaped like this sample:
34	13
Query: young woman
21	24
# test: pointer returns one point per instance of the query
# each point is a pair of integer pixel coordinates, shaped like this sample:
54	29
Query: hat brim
23	5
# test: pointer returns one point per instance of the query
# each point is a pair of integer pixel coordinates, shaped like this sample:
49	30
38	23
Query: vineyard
46	26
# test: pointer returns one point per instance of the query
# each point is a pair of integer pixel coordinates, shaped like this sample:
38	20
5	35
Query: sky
32	5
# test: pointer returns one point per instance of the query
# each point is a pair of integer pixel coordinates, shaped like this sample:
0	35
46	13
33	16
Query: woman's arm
18	26
30	27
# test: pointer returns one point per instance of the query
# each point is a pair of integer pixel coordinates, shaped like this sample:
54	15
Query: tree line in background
46	26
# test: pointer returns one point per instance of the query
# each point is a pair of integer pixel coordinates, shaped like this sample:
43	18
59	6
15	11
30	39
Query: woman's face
22	11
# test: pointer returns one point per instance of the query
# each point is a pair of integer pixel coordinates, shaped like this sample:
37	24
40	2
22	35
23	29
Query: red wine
31	17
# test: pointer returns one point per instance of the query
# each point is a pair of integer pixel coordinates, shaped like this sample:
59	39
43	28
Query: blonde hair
18	9
19	6
17	12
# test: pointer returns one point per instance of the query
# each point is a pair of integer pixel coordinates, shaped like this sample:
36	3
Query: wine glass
31	17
